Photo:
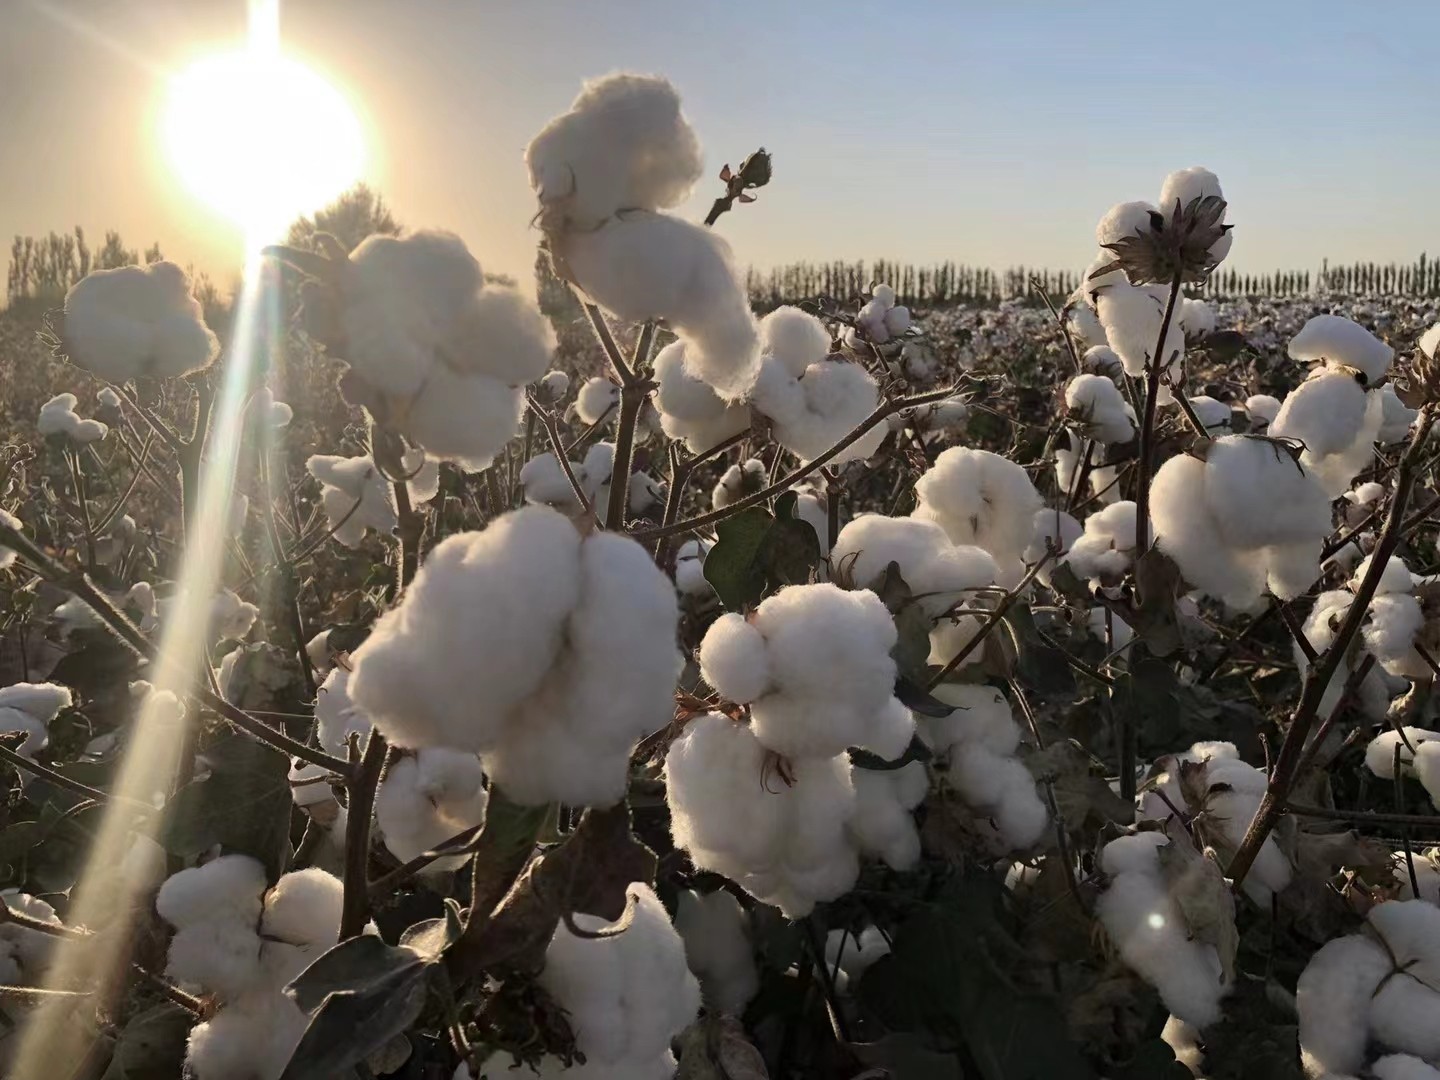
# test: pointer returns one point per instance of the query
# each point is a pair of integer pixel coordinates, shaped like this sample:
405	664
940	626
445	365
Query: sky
990	134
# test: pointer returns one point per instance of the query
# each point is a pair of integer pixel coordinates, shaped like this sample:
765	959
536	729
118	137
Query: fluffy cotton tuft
1096	404
571	637
59	418
137	320
426	799
1336	340
982	499
689	409
812	412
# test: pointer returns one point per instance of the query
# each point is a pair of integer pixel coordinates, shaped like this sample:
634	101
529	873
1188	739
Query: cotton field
423	680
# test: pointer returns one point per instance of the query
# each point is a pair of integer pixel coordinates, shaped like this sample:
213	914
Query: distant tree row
42	269
949	283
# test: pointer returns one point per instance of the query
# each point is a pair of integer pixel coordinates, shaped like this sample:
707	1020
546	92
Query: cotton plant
1379	988
604	173
1249	517
982	499
136	321
1336	413
240	943
58	419
571	634
880	320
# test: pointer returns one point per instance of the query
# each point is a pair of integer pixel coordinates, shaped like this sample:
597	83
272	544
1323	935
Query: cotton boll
466	419
940	574
427	799
1332	998
356	496
1186	185
795	338
336	715
830	399
689	409
1101	410
1085	325
1132	316
230	617
59	418
1334	339
1106	548
642	265
716	933
1261	497
7	555
598	399
43	701
1123	220
1395	622
1215	416
1403	1067
308	786
1262	410
733	658
1054	529
624	143
690	569
739	481
883	825
1333	416
629	994
1153	938
1397	417
1395	578
225	889
855	954
304	909
979	498
137	320
267	411
554	385
1197	318
220	956
1380	753
252	1039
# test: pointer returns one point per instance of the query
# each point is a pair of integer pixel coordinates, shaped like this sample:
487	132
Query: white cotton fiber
137	320
1095	403
58	417
979	498
427	799
812	412
1334	339
940	574
883	826
689	409
716	932
227	888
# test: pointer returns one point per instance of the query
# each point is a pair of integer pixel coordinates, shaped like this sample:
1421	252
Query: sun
260	138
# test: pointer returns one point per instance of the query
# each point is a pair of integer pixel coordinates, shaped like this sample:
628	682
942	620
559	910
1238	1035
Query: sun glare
260	138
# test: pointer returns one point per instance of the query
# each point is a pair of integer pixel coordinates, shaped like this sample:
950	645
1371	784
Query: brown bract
1154	256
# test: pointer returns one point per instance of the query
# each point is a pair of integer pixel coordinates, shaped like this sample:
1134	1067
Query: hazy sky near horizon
992	134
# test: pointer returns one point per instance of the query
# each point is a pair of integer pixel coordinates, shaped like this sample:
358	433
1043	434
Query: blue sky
990	134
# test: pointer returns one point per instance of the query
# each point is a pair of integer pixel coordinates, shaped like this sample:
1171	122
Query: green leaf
367	993
789	553
730	566
1038	665
152	1045
244	805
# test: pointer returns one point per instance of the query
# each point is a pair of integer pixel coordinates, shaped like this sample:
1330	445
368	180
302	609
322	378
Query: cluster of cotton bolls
58	418
1417	751
984	500
545	482
627	995
1105	550
1094	403
1230	791
975	746
603	173
941	575
1247	518
1129	317
1379	989
137	321
242	943
813	663
31	708
1149	928
435	353
880	320
1335	413
718	948
357	497
571	636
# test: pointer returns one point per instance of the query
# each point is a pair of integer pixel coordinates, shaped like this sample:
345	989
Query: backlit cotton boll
626	995
784	841
427	799
1215	416
1320	628
137	320
811	413
716	932
813	662
641	265
59	418
881	319
982	499
336	716
598	399
1423	762
1372	989
1397	418
738	481
623	144
689	409
571	636
1197	318
1149	928
1097	406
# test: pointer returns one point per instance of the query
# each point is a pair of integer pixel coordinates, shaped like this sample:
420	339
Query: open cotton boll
1101	410
1262	410
137	320
643	265
812	413
689	409
795	338
827	679
1183	186
1197	318
227	889
979	498
1395	578
355	494
738	481
573	639
1054	529
1319	629
250	1039
690	568
883	826
1106	548
1103	360
1122	220
1085	324
1214	415
1262	498
855	954
43	701
1362	499
1151	933
466	419
1396	416
426	799
303	909
336	716
1334	339
1336	420
623	143
59	418
716	933
1427	875
269	412
545	481
1332	999
813	508
1390	632
627	995
940	574
1132	316
598	399
1380	753
784	841
221	957
308	786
